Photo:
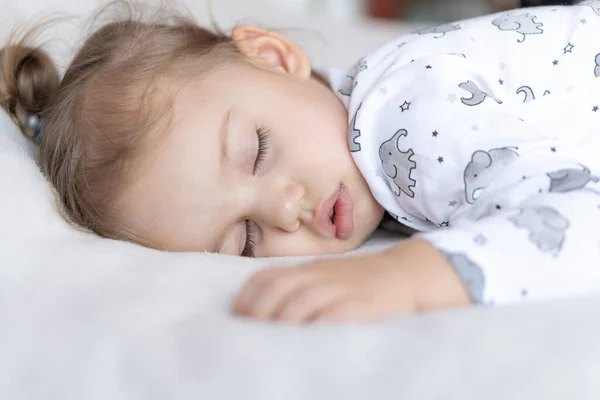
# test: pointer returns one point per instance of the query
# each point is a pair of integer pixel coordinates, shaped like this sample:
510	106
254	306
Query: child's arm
517	213
410	277
545	247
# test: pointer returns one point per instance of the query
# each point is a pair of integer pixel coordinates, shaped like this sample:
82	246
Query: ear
271	49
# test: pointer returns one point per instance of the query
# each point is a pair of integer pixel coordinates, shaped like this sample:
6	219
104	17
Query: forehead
176	195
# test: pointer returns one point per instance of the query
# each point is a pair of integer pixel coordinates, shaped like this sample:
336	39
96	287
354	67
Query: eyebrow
224	144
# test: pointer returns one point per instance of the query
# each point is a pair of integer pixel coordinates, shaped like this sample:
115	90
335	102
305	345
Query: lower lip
344	218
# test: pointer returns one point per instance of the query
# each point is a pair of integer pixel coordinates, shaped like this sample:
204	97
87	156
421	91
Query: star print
502	66
568	48
524	177
452	203
583	21
440	159
405	106
501	81
498	207
452	98
595	109
555	62
480	240
413	60
428	67
383	91
434	133
445	224
475	128
524	292
553	149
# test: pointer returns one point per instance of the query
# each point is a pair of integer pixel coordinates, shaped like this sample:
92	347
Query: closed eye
263	148
250	245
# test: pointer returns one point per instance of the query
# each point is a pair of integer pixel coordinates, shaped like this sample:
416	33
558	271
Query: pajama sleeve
513	207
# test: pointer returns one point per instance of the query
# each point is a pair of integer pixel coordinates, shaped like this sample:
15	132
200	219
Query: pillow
88	318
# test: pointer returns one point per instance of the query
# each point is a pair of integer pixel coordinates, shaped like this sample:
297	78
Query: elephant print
522	23
398	164
529	95
478	96
348	86
351	81
597	67
441	29
354	133
594	5
470	273
363	66
567	180
483	168
547	227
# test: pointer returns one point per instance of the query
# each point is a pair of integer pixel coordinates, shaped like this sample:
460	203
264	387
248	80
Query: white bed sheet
86	318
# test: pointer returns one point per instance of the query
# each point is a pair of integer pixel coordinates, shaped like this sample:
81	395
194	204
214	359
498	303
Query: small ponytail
29	82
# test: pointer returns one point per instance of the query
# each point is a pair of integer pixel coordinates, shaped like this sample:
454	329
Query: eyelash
250	241
263	147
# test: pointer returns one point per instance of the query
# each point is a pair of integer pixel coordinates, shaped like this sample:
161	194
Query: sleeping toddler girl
480	136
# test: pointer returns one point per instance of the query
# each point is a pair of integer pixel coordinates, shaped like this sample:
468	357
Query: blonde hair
94	118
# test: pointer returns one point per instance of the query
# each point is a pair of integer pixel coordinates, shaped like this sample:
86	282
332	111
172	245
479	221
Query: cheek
303	243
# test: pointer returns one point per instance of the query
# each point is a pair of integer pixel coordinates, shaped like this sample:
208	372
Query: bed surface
86	318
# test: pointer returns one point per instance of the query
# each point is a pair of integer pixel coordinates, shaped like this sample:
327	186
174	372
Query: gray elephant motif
597	67
398	164
569	179
483	168
522	23
547	227
470	273
354	133
593	5
348	86
440	29
529	95
478	96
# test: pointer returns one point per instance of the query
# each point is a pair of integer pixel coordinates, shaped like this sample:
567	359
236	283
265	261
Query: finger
276	290
348	311
304	303
252	289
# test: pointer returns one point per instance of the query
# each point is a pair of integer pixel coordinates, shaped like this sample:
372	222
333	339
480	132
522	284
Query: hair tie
34	122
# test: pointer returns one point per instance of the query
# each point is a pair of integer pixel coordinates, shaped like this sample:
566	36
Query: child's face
199	188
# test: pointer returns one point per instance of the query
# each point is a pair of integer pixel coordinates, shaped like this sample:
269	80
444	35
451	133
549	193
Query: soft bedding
87	318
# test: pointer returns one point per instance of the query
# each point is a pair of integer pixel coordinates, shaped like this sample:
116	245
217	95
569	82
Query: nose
283	206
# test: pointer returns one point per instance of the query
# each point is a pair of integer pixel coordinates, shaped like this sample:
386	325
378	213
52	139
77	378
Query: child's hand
412	276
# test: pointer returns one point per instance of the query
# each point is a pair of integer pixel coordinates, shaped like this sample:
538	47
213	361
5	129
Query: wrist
434	283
